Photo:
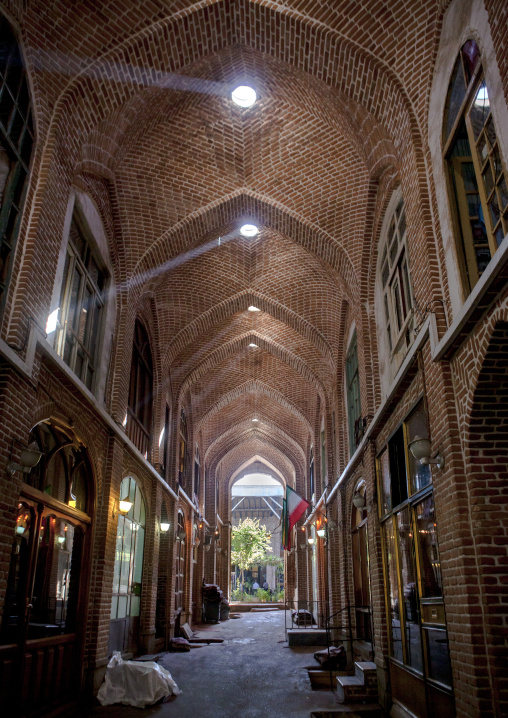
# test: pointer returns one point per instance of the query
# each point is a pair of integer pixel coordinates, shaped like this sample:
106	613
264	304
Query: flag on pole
293	509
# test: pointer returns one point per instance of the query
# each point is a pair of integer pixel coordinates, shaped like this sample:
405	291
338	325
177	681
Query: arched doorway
128	574
44	619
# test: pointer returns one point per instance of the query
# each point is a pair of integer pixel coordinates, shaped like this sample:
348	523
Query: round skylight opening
244	96
249	230
252	308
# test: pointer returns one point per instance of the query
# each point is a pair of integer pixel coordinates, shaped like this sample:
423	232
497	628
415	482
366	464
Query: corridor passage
253	674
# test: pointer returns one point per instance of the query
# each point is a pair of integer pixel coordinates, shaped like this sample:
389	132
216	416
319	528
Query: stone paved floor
253	674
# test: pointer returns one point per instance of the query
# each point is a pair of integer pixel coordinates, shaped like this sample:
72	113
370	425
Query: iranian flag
293	509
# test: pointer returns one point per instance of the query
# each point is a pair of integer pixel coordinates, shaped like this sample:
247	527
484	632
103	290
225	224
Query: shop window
415	604
130	540
354	409
81	305
477	177
395	280
50	542
139	411
63	470
16	143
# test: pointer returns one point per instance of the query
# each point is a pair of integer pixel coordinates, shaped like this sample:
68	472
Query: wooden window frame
89	345
461	217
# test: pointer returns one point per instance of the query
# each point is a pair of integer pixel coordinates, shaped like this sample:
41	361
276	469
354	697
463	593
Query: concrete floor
253	674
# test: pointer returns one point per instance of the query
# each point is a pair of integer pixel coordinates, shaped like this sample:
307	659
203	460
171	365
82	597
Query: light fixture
20	529
244	96
331	524
253	346
124	506
255	420
200	524
321	533
248	230
28	459
165	526
60	540
310	541
181	535
359	500
52	321
207	547
252	308
421	450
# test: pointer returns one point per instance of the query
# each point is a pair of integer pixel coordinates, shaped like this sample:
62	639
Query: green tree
250	544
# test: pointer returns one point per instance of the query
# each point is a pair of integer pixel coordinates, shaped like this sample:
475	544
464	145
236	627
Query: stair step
306	637
351	689
366	671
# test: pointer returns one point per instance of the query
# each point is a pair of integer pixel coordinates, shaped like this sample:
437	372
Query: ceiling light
244	96
255	420
254	346
249	230
252	308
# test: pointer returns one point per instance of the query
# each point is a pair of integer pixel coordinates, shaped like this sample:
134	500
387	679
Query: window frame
352	380
456	191
397	328
15	188
425	606
74	263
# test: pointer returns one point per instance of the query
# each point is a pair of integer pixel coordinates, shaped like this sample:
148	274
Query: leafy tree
250	544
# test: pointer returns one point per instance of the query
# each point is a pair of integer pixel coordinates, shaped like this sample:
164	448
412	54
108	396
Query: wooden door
42	631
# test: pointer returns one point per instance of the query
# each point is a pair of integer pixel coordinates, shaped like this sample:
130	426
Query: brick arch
257	387
240	343
248	468
177	40
487	478
232	461
239	302
221	217
254	465
235	435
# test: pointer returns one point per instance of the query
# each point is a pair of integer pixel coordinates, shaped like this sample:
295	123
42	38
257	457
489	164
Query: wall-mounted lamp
122	506
359	500
165	526
207	547
310	541
28	459
421	450
180	535
331	524
321	533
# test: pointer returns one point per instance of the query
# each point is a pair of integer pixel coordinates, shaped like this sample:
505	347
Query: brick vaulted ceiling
138	94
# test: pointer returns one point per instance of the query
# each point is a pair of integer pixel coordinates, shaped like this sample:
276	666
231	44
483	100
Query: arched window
81	304
477	184
311	474
128	573
16	142
182	452
395	278
354	408
197	474
139	413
